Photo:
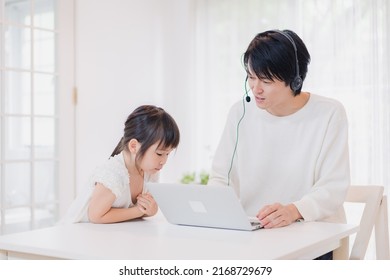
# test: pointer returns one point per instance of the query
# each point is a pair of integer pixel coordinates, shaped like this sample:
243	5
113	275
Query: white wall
130	53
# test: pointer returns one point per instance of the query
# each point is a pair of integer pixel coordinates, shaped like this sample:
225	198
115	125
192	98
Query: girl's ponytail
118	149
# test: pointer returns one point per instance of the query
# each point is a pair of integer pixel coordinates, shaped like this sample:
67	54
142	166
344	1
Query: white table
154	238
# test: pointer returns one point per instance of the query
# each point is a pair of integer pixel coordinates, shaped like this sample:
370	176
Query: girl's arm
100	210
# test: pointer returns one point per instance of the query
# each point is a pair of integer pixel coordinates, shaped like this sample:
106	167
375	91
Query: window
29	185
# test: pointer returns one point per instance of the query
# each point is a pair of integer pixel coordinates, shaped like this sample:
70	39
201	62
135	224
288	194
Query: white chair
374	216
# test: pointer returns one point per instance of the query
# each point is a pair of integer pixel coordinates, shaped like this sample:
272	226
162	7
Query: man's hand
278	215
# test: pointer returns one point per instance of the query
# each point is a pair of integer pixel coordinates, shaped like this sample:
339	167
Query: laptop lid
199	205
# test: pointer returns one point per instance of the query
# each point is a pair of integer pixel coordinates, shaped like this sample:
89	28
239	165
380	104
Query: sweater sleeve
332	174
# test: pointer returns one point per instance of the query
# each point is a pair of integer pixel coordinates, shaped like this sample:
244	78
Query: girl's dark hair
271	55
149	124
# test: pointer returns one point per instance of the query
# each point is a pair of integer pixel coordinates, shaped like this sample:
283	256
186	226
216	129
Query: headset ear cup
296	84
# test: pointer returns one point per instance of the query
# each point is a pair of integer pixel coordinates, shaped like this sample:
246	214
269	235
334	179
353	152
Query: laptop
202	206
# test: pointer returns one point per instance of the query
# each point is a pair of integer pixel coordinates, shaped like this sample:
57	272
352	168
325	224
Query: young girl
116	191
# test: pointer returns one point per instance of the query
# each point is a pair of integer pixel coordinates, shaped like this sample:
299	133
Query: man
286	151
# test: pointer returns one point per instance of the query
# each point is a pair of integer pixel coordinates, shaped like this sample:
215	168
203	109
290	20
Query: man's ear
133	146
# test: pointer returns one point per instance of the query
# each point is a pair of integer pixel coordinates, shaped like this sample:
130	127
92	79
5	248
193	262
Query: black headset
297	82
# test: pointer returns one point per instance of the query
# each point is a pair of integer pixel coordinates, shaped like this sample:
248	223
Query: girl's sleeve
110	177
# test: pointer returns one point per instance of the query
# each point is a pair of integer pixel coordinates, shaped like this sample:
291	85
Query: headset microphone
247	97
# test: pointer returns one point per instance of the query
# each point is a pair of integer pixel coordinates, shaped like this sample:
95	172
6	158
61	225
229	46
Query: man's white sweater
301	158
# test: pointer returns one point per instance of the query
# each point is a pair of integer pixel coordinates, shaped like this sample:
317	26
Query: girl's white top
113	175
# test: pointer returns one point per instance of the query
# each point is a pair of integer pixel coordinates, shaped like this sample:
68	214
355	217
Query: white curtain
349	42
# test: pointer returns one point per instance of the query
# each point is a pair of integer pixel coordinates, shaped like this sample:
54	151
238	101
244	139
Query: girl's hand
278	215
146	204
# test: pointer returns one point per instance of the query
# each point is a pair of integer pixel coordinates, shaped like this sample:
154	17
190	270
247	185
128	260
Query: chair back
374	215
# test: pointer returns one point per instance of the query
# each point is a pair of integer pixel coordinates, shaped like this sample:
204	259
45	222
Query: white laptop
204	206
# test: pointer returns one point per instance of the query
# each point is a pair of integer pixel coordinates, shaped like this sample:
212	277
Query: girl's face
274	96
154	159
